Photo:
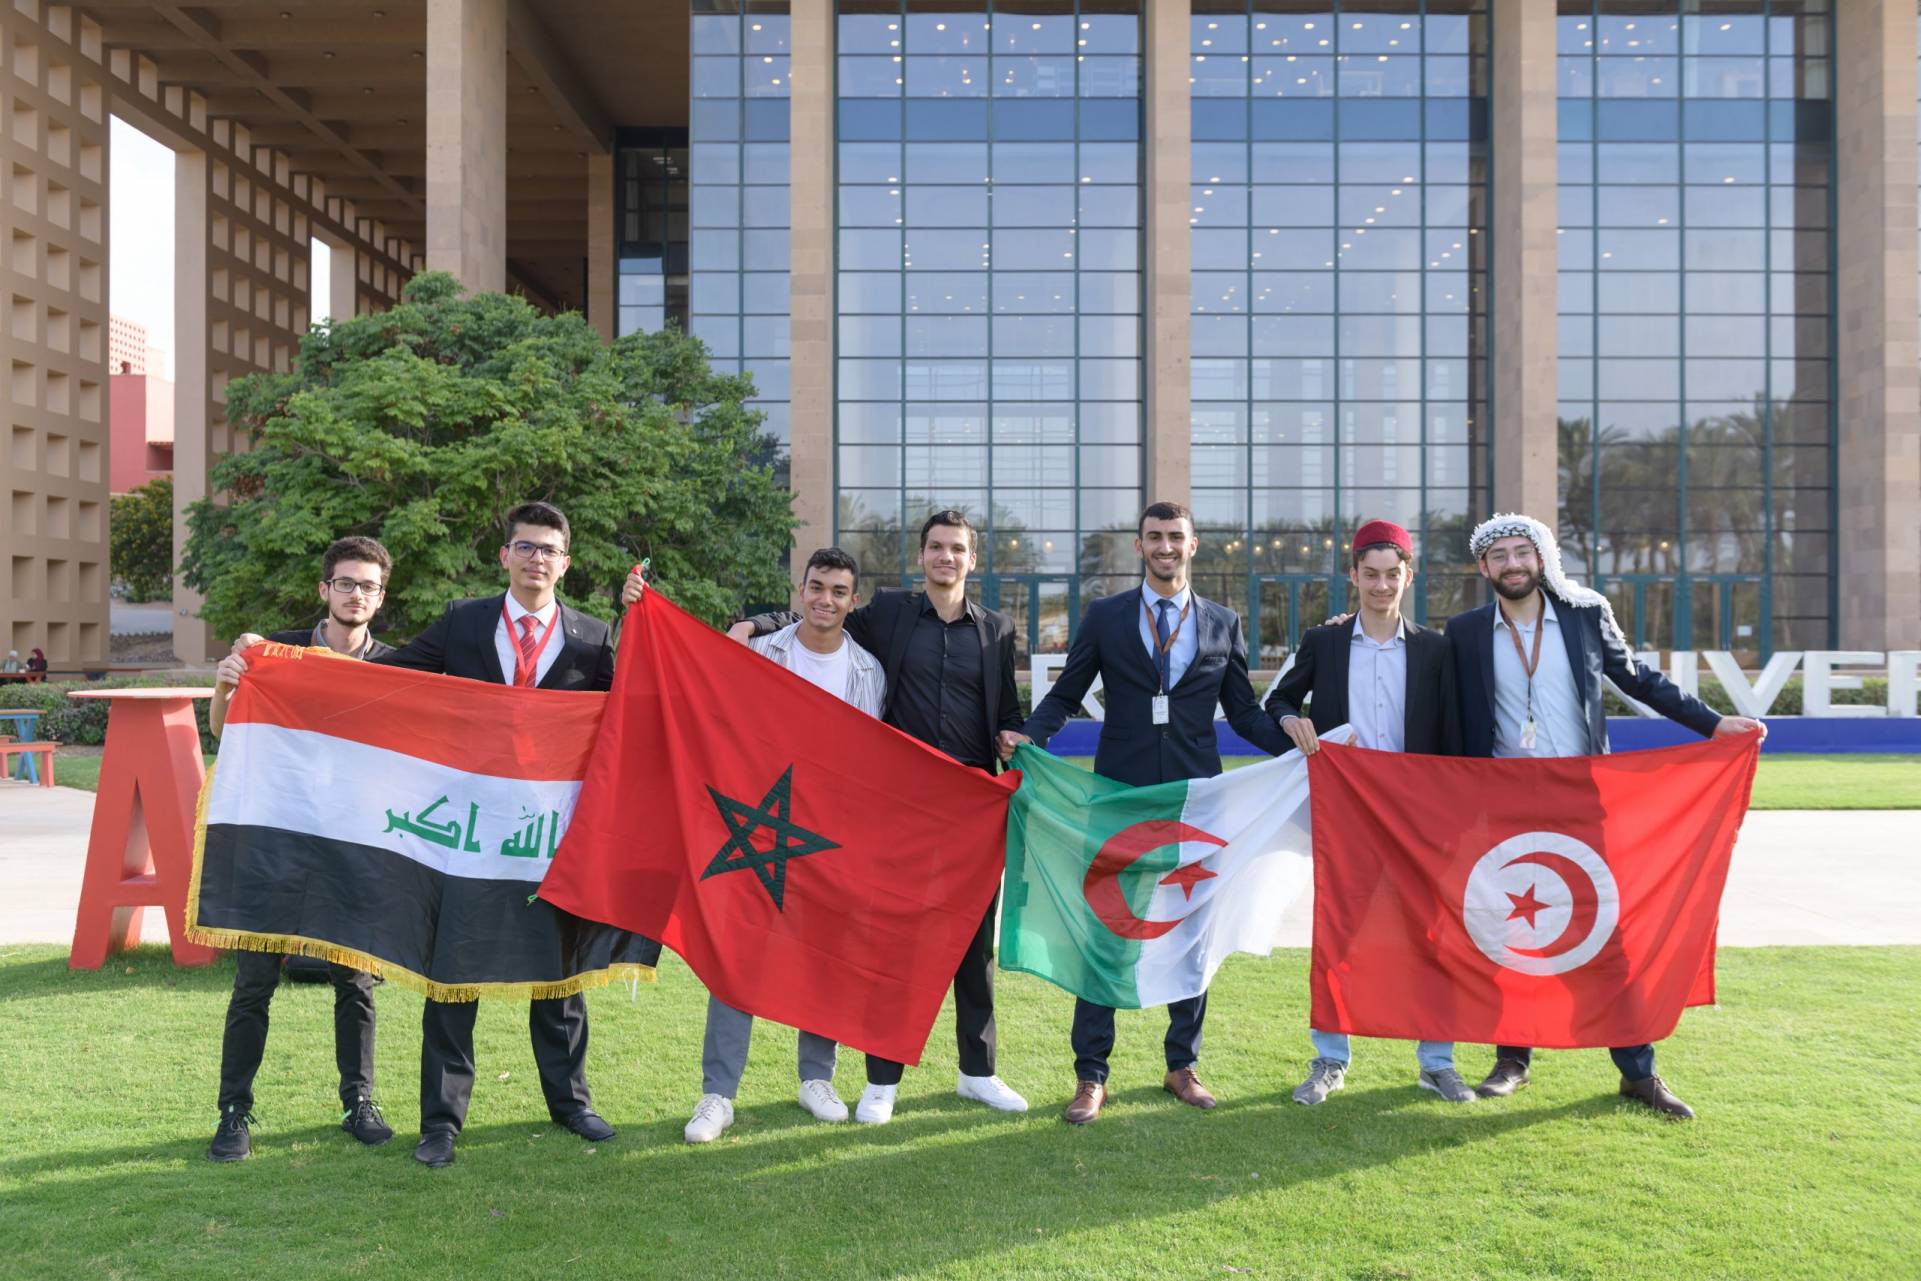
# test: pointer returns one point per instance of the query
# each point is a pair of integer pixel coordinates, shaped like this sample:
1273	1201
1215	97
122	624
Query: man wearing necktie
1165	658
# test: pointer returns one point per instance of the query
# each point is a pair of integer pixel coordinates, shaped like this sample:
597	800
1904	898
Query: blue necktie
1164	652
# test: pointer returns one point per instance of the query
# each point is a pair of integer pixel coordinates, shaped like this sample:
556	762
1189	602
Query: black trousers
558	1030
1094	1036
256	975
1636	1062
973	1008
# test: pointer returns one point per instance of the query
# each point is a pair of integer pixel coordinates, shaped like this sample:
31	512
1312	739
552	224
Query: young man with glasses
353	578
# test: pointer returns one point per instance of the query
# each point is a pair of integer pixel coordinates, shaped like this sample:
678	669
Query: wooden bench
9	750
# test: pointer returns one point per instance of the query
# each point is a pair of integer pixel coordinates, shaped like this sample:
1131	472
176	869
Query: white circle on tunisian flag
1541	903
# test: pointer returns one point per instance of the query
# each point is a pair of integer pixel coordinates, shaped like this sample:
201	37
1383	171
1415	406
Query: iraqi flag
400	822
1133	896
811	864
1553	902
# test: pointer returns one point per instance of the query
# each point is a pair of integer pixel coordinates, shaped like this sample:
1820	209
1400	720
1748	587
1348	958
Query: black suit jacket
1591	652
883	626
1432	726
1134	750
461	643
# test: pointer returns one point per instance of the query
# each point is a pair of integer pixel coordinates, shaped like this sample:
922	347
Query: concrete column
811	273
1524	260
467	141
192	388
343	281
1877	502
1169	275
602	304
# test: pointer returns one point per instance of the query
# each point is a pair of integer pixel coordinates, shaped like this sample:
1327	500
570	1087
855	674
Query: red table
140	853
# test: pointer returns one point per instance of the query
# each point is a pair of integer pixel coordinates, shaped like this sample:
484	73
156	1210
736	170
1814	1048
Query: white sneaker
713	1115
992	1091
818	1097
876	1105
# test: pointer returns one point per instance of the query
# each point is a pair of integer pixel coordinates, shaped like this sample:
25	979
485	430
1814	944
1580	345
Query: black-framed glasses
354	587
524	550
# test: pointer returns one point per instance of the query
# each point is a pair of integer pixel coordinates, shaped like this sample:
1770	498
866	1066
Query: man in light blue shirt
1536	713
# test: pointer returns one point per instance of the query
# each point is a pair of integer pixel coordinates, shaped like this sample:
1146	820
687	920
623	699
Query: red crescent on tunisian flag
1552	902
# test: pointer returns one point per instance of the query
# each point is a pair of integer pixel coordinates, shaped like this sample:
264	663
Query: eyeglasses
354	587
524	550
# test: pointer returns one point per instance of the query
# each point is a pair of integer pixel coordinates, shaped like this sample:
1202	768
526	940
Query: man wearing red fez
1392	680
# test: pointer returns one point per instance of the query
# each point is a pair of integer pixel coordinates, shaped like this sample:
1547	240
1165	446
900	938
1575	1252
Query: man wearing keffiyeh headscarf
1529	668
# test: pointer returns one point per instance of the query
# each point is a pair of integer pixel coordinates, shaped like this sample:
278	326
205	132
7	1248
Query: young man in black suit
949	665
525	637
1529	667
1165	657
353	578
1392	681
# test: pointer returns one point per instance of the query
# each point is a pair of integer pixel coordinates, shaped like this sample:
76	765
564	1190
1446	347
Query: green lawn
1806	1161
82	772
1797	782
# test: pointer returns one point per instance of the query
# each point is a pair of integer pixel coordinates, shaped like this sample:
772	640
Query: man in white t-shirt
818	650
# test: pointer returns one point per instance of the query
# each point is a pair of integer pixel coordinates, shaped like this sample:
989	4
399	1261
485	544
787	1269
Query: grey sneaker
1448	1084
1324	1076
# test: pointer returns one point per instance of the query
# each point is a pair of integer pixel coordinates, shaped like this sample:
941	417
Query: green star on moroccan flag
790	841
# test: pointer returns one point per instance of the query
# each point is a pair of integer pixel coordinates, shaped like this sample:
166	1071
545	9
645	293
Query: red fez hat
1383	531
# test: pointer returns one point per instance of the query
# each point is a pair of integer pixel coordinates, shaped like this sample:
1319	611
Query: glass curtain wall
738	291
989	291
650	175
1340	247
1696	423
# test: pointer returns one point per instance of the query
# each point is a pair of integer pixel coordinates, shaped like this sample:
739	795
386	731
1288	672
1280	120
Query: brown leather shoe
1086	1106
1185	1086
1508	1076
1654	1092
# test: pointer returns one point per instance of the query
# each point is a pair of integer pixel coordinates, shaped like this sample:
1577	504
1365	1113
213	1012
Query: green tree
140	539
422	426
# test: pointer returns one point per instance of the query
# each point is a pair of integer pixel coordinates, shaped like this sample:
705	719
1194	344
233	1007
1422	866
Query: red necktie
524	670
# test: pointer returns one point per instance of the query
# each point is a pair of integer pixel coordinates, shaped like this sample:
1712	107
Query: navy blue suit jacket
1591	652
1133	749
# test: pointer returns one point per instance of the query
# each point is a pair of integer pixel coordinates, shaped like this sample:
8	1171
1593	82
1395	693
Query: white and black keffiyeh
1553	577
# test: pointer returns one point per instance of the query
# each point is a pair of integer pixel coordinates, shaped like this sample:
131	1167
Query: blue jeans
1434	1056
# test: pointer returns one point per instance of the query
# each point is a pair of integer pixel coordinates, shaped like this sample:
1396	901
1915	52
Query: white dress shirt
1180	655
507	650
1377	689
1560	726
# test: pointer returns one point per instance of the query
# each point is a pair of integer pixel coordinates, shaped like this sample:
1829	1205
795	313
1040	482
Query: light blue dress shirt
1181	654
1377	690
1560	726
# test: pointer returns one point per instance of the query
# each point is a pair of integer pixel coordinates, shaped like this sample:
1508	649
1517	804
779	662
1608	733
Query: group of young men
1519	676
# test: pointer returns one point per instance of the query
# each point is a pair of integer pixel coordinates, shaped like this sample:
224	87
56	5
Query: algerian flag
1133	896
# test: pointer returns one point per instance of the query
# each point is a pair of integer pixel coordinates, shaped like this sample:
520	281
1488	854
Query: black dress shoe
232	1142
364	1122
1508	1076
588	1125
1654	1092
436	1150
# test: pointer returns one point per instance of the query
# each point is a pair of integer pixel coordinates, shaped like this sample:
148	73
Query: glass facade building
998	340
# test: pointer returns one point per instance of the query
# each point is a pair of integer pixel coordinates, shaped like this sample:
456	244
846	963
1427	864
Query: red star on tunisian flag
1526	905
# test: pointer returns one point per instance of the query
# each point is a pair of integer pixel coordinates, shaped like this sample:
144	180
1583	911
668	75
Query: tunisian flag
1561	903
812	865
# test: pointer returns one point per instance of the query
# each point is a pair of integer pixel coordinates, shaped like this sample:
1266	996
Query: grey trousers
723	1051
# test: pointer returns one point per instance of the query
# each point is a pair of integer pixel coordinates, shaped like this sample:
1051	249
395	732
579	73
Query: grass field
1806	1161
1783	782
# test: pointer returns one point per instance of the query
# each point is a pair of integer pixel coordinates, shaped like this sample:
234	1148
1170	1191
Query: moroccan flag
812	865
1566	902
400	822
1133	896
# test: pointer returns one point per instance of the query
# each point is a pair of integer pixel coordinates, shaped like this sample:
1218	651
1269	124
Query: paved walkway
1799	876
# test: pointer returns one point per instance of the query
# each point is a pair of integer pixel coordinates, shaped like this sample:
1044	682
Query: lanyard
533	668
1529	665
1164	646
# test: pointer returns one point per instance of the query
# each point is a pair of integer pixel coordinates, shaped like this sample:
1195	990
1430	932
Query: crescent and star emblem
1541	903
1123	850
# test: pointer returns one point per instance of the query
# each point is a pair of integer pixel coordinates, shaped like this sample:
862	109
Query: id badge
1527	735
1160	709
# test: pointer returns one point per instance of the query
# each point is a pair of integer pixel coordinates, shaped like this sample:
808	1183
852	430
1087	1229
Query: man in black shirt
950	684
353	578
